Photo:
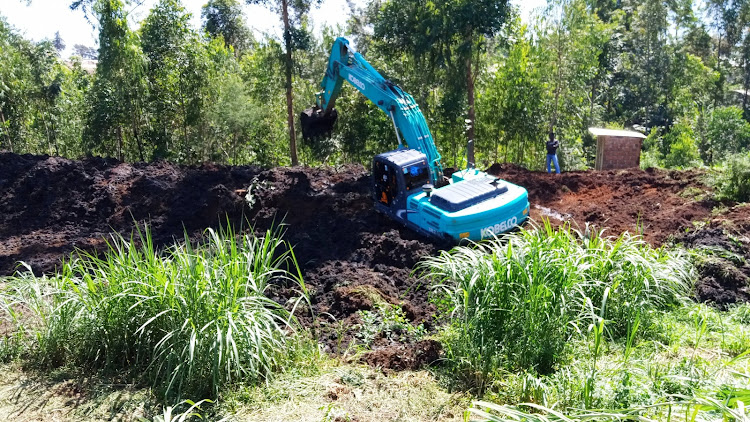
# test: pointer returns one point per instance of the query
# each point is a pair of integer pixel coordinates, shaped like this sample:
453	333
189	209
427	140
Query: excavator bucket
316	124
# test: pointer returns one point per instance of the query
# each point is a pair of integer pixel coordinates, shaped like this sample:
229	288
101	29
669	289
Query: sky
40	19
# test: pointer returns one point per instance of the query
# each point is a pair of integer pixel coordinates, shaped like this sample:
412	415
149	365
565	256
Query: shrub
732	181
515	301
727	132
651	155
190	319
683	151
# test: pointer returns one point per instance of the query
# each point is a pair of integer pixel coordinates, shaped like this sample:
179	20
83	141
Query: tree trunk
137	137
183	105
234	148
7	136
558	81
720	83
471	114
49	136
119	143
746	84
288	71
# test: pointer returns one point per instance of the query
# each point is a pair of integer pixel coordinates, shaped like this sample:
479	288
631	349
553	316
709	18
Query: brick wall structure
617	149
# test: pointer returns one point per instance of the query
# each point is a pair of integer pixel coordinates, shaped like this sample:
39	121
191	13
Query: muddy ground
352	259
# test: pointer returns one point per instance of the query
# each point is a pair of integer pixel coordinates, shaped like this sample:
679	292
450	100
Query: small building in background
617	149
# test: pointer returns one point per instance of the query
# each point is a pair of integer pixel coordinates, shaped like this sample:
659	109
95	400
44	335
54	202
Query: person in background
552	146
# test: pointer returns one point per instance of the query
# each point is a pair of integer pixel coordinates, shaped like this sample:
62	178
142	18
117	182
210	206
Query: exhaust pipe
470	154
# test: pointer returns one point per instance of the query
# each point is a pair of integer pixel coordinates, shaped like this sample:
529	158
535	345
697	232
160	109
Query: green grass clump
514	303
189	319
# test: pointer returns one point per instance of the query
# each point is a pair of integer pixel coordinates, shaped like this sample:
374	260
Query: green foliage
515	302
223	18
169	91
390	321
41	99
726	132
510	106
694	85
190	319
732	179
683	151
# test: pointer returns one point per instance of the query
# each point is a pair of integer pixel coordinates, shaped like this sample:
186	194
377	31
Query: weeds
190	319
516	301
727	404
390	321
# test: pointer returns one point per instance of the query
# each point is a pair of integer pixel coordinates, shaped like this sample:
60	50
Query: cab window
415	176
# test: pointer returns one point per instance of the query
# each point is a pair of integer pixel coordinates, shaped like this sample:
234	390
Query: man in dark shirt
552	146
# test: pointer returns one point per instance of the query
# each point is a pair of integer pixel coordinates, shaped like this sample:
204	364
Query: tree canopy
677	70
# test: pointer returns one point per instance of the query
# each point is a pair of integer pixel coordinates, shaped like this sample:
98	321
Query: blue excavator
408	184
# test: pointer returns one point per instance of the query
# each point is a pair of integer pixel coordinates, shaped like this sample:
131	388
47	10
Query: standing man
552	145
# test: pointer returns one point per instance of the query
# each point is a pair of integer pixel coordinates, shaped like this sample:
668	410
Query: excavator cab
396	175
316	123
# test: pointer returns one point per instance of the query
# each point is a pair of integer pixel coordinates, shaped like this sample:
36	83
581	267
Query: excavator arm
346	64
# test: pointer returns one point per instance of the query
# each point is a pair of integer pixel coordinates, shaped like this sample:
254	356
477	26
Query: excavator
408	183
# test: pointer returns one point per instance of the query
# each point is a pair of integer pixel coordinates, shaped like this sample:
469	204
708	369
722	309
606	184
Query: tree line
676	70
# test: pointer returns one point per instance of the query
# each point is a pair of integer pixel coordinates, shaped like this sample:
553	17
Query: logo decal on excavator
359	84
499	228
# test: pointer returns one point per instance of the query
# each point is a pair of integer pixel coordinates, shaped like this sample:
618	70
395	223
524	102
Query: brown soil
352	259
656	203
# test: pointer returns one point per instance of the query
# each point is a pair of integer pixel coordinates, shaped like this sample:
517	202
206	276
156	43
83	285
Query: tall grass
515	301
190	319
676	408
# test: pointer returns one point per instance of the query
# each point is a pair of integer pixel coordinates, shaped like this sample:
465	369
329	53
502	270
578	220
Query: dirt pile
50	205
656	203
352	259
723	262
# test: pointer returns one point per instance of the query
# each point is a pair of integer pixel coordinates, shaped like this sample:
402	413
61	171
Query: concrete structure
617	149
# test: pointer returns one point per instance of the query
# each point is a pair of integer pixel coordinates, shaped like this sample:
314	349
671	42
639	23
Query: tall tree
511	104
572	39
224	18
58	42
727	20
444	33
744	55
644	74
171	47
295	37
116	97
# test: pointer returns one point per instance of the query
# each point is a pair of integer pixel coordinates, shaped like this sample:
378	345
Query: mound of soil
723	264
656	203
50	205
352	259
403	357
